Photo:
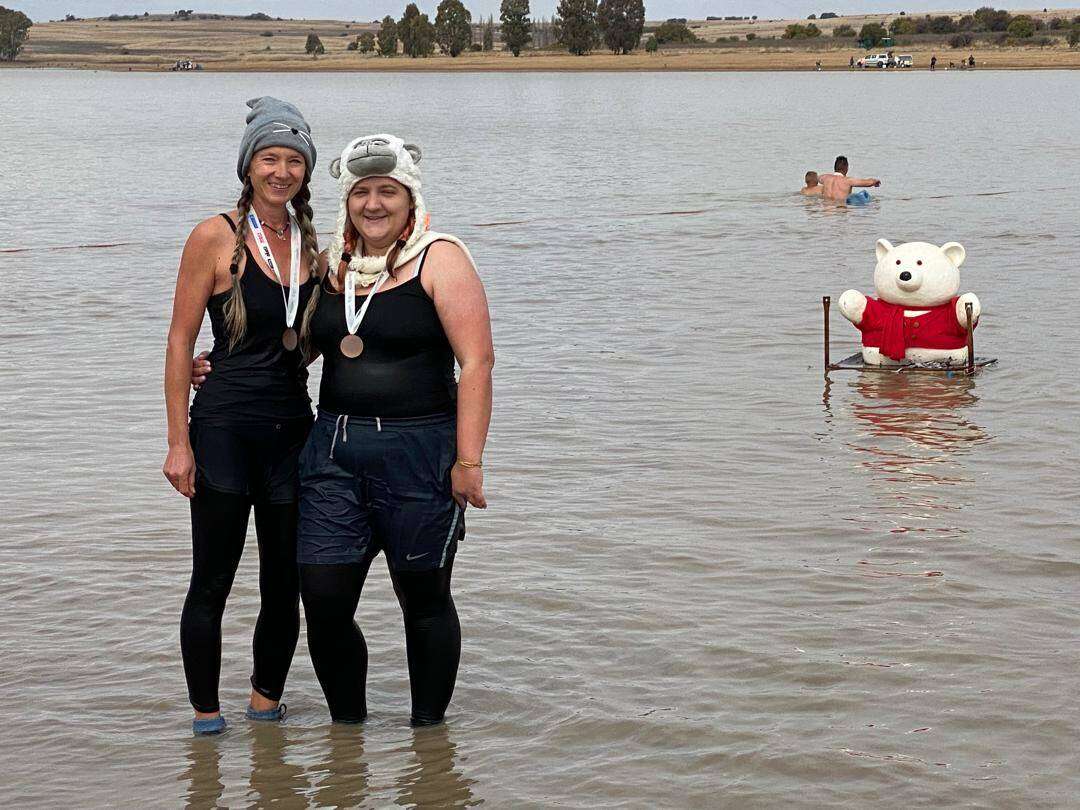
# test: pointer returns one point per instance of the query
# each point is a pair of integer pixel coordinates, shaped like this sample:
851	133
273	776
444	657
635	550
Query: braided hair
235	309
310	252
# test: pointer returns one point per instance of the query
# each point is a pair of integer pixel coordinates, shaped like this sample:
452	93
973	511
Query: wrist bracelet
469	465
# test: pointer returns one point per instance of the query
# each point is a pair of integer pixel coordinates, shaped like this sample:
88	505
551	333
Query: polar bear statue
917	316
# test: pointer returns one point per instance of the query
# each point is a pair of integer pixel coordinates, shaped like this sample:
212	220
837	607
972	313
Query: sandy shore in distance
157	43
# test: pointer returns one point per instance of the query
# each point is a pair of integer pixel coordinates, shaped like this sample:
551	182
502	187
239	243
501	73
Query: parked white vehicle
877	60
905	60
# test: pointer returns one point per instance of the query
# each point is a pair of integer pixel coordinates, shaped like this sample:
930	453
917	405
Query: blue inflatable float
860	197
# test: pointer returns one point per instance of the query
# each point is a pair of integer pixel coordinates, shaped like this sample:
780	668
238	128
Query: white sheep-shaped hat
376	156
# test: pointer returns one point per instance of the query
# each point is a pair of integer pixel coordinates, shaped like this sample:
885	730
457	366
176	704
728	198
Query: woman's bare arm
462	307
194	286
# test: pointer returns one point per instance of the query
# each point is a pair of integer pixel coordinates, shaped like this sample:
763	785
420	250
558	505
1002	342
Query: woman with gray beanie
251	269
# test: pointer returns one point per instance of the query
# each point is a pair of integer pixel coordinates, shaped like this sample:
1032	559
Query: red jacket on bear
884	326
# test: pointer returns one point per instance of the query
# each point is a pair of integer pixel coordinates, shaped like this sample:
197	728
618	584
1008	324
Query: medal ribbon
292	303
352	317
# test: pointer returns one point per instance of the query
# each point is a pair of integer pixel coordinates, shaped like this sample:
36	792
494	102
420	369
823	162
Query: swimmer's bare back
838	186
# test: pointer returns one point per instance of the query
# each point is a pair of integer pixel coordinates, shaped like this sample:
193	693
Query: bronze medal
289	339
352	346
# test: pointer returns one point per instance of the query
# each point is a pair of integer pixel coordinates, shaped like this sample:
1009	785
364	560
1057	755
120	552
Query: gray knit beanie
273	122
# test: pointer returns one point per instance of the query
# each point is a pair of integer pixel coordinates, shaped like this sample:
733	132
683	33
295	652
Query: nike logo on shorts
411	557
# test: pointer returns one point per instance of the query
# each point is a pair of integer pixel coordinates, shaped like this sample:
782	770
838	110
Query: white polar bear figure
917	316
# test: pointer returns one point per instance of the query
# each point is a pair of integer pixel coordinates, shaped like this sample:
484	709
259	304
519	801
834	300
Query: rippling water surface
709	576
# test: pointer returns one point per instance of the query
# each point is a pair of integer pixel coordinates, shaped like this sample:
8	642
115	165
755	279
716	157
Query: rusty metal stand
970	339
825	302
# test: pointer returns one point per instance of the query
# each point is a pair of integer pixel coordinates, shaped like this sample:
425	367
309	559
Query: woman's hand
180	469
467	486
200	367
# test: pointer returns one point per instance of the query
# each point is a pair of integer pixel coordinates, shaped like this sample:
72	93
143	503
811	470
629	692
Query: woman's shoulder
213	231
449	253
449	269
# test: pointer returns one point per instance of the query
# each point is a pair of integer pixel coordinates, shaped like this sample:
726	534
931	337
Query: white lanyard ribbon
292	303
352	317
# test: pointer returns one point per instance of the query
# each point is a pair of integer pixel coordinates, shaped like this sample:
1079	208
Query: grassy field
231	44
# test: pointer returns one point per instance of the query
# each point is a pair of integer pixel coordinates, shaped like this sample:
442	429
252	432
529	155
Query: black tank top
258	380
407	367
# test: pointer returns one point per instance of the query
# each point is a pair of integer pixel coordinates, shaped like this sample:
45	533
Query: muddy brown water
709	576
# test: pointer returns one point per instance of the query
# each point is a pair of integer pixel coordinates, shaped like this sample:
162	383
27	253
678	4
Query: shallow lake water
709	575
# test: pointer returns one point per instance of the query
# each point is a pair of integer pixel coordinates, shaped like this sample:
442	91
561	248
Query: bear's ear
335	168
883	247
413	150
954	252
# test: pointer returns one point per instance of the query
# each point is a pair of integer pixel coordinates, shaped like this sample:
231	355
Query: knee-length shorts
370	485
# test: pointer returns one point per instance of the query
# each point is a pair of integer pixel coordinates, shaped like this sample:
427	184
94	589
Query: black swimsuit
407	368
250	418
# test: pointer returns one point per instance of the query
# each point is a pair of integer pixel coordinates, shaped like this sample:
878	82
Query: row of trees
452	31
580	26
984	21
14	30
584	24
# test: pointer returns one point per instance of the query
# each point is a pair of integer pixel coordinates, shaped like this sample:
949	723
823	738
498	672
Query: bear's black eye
919	262
898	261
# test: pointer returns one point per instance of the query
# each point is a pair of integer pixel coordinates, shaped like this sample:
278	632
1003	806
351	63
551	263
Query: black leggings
339	652
218	529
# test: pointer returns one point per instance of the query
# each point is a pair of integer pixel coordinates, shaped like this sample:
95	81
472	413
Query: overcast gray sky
376	9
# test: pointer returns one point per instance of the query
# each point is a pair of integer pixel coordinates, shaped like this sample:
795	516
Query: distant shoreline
672	63
238	45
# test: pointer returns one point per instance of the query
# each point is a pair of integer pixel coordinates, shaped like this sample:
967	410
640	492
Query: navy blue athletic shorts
369	485
257	459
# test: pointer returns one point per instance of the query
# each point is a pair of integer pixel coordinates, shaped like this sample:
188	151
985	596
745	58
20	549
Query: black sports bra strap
229	220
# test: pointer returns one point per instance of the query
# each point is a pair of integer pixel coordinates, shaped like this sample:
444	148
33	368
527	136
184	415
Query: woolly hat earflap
376	156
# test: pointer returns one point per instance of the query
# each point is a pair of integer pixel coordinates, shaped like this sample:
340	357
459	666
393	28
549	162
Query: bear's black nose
905	276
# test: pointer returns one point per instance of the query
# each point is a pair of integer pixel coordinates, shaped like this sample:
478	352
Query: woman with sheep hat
251	269
395	454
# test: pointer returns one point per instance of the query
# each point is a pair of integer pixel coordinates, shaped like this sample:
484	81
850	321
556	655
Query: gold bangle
469	465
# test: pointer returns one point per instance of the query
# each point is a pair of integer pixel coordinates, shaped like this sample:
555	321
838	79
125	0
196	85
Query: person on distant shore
933	62
251	269
812	187
851	63
837	186
971	60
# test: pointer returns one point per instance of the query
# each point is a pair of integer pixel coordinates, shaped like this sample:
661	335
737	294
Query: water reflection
203	774
913	432
274	780
435	780
342	778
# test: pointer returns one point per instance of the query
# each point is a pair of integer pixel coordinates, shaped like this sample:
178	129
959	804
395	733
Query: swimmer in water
838	186
813	187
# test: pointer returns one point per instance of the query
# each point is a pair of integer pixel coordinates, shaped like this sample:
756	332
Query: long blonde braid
310	251
235	309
